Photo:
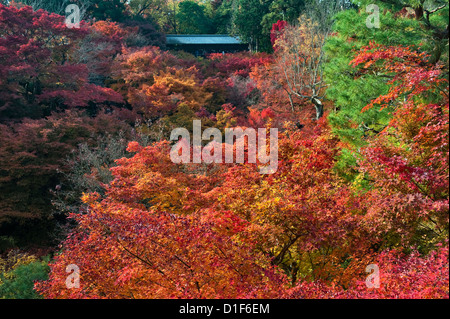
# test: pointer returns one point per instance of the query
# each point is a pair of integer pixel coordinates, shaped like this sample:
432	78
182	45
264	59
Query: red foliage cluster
37	75
277	29
410	178
237	64
411	74
32	155
401	277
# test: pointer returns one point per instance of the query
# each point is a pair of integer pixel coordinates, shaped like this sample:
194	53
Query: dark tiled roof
201	39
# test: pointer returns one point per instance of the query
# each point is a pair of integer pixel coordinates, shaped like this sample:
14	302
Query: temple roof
201	39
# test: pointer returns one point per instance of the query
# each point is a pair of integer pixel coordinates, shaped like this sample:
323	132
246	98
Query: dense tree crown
86	176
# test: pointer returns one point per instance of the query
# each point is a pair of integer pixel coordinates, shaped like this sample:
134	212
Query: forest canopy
357	92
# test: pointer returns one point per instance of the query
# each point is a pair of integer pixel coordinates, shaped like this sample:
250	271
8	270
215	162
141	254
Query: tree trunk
319	107
418	12
291	101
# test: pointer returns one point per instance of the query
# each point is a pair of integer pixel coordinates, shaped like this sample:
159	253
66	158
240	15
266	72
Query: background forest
363	174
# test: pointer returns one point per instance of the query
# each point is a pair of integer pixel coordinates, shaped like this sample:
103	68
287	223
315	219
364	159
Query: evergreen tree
247	17
409	23
192	18
113	10
286	10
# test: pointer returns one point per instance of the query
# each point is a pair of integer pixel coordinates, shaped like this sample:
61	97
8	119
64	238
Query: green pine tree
400	23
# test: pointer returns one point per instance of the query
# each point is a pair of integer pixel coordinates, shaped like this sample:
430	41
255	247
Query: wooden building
202	44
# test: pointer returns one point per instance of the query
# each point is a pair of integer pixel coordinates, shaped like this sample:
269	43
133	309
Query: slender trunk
291	101
319	107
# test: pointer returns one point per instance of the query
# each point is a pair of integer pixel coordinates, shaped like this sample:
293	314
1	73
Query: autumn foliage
140	226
